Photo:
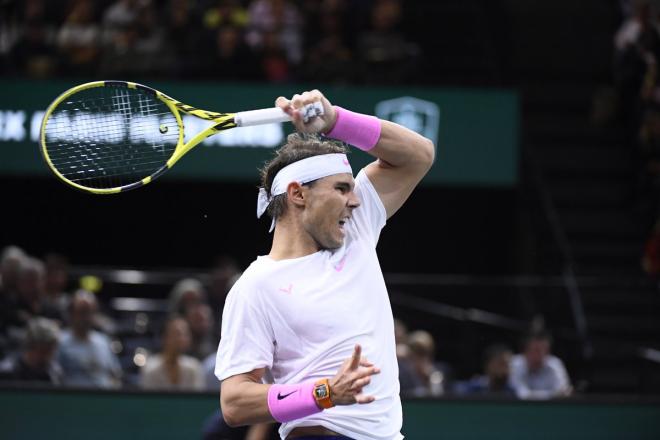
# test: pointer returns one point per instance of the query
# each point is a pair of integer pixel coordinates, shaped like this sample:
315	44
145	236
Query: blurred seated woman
172	369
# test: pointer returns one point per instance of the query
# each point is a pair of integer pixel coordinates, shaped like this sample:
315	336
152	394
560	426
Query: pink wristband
291	402
361	131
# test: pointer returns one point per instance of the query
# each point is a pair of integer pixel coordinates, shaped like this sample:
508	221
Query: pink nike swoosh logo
287	290
345	162
340	266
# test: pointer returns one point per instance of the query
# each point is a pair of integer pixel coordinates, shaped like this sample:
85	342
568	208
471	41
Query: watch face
321	391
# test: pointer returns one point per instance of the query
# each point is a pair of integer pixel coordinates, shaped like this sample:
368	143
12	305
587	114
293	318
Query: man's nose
353	201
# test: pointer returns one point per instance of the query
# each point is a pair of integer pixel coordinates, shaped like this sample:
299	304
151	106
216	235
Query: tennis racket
107	137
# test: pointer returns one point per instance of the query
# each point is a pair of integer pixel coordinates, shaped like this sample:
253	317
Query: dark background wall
188	224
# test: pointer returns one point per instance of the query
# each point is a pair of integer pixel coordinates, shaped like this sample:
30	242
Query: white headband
302	171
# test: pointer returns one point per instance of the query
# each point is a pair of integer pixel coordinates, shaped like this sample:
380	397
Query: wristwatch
322	394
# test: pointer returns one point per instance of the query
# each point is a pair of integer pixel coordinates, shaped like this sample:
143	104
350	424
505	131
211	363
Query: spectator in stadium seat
329	58
433	376
277	21
84	353
231	58
120	14
79	38
409	381
275	66
386	55
185	293
495	381
11	261
56	282
32	292
34	53
200	320
172	369
36	361
225	13
224	273
135	43
208	365
536	374
182	36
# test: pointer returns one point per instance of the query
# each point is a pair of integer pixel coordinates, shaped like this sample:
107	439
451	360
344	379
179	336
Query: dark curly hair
298	146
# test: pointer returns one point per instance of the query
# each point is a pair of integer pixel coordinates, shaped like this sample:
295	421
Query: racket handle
273	115
259	117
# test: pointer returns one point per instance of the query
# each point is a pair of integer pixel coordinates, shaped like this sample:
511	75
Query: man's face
43	356
31	285
82	315
535	353
9	272
329	206
200	320
498	367
177	336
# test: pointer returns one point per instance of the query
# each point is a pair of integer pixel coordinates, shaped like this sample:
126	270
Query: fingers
356	373
301	100
360	383
365	372
282	103
362	378
364	362
298	101
362	399
355	359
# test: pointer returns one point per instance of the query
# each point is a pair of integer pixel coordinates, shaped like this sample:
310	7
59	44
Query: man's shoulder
154	363
252	280
99	338
518	363
260	273
66	337
554	362
190	363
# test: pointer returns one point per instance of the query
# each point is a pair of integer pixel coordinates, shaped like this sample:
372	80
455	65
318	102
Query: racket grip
273	115
260	117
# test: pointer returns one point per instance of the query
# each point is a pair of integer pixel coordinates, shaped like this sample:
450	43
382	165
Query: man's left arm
563	382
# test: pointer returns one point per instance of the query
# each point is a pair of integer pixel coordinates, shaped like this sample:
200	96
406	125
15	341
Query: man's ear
295	192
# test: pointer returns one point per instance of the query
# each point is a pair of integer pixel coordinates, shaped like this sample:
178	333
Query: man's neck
290	240
29	360
81	333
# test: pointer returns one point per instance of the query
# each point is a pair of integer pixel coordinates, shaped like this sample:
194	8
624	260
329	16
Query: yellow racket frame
222	121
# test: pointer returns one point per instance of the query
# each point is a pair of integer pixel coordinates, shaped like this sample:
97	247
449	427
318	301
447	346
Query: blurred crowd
266	40
636	75
55	330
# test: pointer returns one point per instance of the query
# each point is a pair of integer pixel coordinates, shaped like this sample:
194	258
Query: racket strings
110	157
110	137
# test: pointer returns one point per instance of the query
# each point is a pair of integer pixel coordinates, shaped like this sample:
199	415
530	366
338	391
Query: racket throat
225	125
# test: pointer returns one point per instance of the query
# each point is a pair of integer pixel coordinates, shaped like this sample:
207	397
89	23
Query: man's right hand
354	374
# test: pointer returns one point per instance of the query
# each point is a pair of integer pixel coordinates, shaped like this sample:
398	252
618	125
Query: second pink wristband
361	131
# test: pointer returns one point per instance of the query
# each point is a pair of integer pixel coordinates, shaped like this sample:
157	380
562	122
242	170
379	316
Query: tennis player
307	331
